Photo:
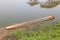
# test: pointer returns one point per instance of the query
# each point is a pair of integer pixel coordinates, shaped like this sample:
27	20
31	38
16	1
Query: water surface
16	11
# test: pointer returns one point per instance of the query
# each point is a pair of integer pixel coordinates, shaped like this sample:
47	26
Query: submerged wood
29	22
4	31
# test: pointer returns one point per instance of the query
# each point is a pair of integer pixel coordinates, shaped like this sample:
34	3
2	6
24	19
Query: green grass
48	32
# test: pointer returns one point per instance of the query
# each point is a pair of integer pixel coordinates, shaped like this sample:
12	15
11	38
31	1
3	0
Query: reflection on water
47	4
33	2
17	11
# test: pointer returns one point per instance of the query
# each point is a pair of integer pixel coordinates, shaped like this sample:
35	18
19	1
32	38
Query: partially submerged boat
49	5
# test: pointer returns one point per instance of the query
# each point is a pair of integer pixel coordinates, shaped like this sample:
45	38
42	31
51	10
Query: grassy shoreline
49	32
